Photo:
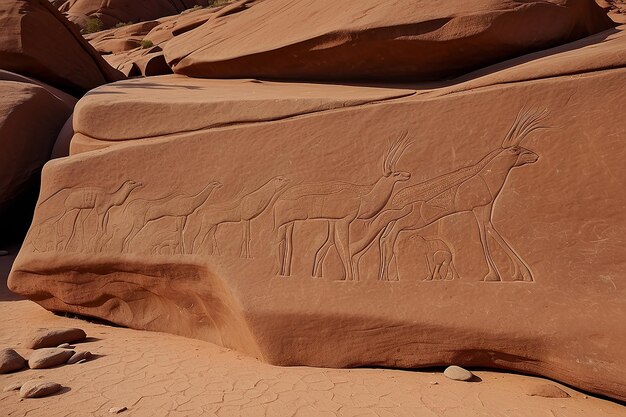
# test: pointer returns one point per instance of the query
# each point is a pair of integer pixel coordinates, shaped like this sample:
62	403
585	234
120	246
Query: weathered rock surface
479	223
55	337
15	386
37	41
31	116
545	390
49	357
10	361
457	373
374	40
36	388
112	12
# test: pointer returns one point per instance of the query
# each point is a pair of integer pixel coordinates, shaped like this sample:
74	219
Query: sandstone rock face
38	42
31	116
370	39
122	47
49	357
479	223
112	12
10	361
55	337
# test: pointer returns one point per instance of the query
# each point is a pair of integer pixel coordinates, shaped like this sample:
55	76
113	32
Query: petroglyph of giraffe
471	189
240	210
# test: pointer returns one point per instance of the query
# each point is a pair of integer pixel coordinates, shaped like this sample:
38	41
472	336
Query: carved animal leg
321	253
74	223
356	257
482	213
431	267
137	227
288	249
181	222
522	271
342	234
245	242
281	249
455	273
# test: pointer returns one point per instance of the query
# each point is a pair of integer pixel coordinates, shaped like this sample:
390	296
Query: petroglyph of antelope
471	189
180	207
338	202
87	199
240	210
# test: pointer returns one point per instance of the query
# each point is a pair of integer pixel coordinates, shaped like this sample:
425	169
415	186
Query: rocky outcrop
31	116
137	49
476	223
373	40
113	12
38	42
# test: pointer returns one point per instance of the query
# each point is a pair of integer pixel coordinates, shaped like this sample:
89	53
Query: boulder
374	40
33	31
10	361
55	337
49	357
479	223
36	389
31	116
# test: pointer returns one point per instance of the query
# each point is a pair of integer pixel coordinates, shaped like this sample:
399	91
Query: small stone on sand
36	389
457	373
12	387
49	357
54	337
78	357
64	346
117	410
10	361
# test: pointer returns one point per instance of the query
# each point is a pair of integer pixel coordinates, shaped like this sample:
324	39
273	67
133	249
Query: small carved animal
438	256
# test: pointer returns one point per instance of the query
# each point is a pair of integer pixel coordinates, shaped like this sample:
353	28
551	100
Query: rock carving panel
385	209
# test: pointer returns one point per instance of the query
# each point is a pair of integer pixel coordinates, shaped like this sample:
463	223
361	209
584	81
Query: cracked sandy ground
155	374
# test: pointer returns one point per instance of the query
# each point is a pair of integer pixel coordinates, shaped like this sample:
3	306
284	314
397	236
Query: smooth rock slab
49	357
545	390
10	361
377	40
36	388
55	337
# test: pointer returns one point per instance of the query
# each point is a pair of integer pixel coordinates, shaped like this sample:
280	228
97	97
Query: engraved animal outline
470	189
438	256
90	199
338	202
180	207
240	210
